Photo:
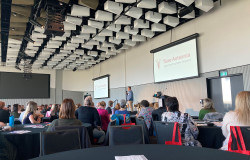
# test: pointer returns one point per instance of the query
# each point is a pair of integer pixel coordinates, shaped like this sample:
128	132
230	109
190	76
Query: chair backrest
246	137
59	141
142	123
106	140
83	132
164	131
123	135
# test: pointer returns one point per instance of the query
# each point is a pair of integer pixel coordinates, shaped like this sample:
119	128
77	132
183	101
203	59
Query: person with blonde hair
239	117
66	115
208	107
29	116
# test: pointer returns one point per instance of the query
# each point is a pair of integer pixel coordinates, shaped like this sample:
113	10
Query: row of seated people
69	115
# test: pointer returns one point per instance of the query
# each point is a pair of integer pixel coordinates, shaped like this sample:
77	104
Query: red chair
236	141
173	142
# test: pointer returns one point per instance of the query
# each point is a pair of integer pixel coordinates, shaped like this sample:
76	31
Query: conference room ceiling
93	30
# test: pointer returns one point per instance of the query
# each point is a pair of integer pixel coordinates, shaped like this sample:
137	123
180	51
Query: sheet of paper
20	132
131	157
34	126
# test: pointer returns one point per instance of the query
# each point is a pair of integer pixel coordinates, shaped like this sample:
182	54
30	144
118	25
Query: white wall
223	43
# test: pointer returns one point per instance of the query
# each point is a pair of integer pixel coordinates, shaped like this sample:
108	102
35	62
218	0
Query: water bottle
11	121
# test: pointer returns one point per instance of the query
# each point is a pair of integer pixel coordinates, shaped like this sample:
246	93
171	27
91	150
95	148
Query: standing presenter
130	98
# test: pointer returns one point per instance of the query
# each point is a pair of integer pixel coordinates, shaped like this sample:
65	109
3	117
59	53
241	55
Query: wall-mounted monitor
18	86
177	60
101	87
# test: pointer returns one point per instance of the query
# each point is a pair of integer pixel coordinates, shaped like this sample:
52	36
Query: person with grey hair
88	114
123	109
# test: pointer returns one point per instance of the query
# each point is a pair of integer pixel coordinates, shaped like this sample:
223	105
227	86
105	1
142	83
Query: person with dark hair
130	98
109	107
189	130
66	115
104	115
146	112
89	114
15	111
4	113
123	109
156	114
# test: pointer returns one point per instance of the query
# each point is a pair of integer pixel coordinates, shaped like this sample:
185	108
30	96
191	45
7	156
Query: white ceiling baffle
80	11
171	21
133	12
113	7
167	7
205	5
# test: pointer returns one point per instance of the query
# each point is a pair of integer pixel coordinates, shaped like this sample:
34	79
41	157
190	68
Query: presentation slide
177	62
101	88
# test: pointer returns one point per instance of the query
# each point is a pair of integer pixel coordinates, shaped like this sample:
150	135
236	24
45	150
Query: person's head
156	105
111	103
144	103
123	103
67	110
242	107
129	88
102	105
208	103
2	104
88	101
54	109
117	106
30	108
172	104
15	108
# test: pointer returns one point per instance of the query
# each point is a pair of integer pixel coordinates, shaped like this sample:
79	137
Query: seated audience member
109	108
4	113
78	105
45	109
146	112
66	115
30	116
15	111
89	114
53	111
156	114
156	106
123	109
239	117
104	115
117	107
22	108
208	107
174	115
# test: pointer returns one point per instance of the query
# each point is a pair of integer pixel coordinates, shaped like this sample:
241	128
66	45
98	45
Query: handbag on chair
241	147
173	142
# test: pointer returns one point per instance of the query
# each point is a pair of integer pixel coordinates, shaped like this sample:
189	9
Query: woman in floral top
146	112
188	129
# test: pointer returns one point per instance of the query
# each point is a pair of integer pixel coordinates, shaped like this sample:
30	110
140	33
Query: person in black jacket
89	114
156	114
4	113
109	107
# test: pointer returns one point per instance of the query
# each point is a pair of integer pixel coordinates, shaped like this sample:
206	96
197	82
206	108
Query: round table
28	144
150	151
